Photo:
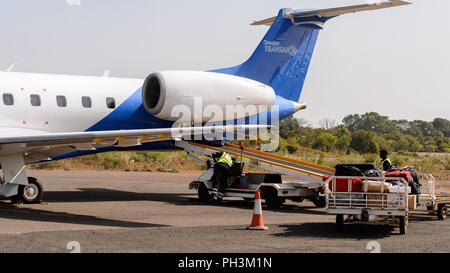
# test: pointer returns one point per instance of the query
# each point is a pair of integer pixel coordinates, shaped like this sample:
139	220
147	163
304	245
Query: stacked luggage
357	185
410	174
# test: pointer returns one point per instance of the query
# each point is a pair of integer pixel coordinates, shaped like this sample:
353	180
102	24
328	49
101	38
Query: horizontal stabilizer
333	12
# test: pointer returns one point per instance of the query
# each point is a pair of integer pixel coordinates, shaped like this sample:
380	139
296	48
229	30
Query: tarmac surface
156	212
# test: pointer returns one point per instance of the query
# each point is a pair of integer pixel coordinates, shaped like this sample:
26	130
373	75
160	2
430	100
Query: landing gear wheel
319	201
442	212
403	224
31	193
339	222
203	193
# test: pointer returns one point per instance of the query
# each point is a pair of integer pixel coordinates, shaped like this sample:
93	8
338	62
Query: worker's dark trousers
220	176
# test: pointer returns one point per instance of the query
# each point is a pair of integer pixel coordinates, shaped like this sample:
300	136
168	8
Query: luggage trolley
387	205
435	204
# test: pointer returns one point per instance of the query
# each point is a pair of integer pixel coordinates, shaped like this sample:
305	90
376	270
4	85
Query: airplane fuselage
59	103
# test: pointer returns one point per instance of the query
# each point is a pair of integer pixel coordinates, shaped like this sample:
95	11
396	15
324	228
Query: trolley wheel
203	193
442	212
320	202
339	222
403	224
273	201
431	209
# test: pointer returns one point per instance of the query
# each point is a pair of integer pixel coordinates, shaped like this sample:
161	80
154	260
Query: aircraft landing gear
31	193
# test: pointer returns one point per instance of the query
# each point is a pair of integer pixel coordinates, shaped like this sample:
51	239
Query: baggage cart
435	203
390	208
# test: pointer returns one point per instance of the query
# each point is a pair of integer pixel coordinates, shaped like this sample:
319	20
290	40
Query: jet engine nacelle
164	94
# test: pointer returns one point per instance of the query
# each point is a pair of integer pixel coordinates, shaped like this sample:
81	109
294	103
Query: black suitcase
353	169
415	184
415	187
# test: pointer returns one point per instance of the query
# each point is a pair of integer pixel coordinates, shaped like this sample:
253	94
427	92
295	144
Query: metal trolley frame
368	207
435	204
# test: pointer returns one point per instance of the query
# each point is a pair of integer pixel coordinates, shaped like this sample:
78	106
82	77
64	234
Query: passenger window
8	99
61	101
110	103
86	101
35	100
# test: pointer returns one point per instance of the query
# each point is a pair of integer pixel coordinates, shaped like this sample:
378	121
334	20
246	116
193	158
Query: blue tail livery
282	58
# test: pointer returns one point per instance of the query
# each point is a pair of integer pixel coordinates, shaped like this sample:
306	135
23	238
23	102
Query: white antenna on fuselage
106	73
10	67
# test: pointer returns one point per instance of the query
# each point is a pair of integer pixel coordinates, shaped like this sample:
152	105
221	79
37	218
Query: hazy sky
394	61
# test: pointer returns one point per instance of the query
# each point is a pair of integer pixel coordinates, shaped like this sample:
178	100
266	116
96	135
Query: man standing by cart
386	163
222	165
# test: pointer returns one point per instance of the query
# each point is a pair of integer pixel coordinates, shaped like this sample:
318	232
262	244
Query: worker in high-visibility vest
386	163
222	165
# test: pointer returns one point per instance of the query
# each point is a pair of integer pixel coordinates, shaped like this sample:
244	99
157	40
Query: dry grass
124	161
438	165
443	186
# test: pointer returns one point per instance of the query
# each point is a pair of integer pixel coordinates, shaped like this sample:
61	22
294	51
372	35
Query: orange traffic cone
257	220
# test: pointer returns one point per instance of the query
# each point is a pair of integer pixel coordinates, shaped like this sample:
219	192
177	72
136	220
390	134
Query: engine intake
162	92
153	93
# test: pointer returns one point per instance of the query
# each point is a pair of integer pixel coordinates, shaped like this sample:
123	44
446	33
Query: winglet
106	73
332	12
10	67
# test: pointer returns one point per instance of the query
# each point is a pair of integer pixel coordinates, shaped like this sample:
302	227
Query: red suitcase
342	184
405	174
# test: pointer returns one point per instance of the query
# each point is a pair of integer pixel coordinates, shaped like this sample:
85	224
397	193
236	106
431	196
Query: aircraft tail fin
282	58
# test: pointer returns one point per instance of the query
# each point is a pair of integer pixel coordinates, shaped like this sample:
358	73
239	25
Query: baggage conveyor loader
271	186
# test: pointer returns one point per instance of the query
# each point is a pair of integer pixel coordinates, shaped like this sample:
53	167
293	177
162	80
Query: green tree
364	142
414	144
370	122
294	141
426	128
442	125
443	144
400	142
384	143
287	126
344	138
325	142
351	122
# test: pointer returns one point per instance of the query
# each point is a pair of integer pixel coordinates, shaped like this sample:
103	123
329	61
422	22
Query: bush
398	161
294	141
156	156
371	158
111	160
325	142
138	157
344	138
48	166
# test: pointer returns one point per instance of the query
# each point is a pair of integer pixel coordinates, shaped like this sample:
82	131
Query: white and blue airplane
47	117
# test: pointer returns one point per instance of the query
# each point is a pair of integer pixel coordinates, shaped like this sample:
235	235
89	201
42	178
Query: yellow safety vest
382	163
226	158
